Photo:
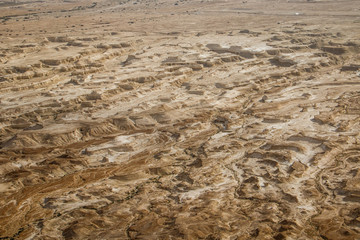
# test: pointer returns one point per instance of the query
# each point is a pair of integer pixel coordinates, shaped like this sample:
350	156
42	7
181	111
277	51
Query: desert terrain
180	119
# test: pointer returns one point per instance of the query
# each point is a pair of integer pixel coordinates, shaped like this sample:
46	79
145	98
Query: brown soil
165	119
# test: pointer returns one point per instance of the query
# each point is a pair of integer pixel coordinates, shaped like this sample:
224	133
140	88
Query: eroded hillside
179	119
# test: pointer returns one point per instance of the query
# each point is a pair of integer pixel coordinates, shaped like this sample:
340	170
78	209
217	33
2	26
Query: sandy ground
164	119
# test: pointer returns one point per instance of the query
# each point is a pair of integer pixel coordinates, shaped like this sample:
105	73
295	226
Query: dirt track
180	119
